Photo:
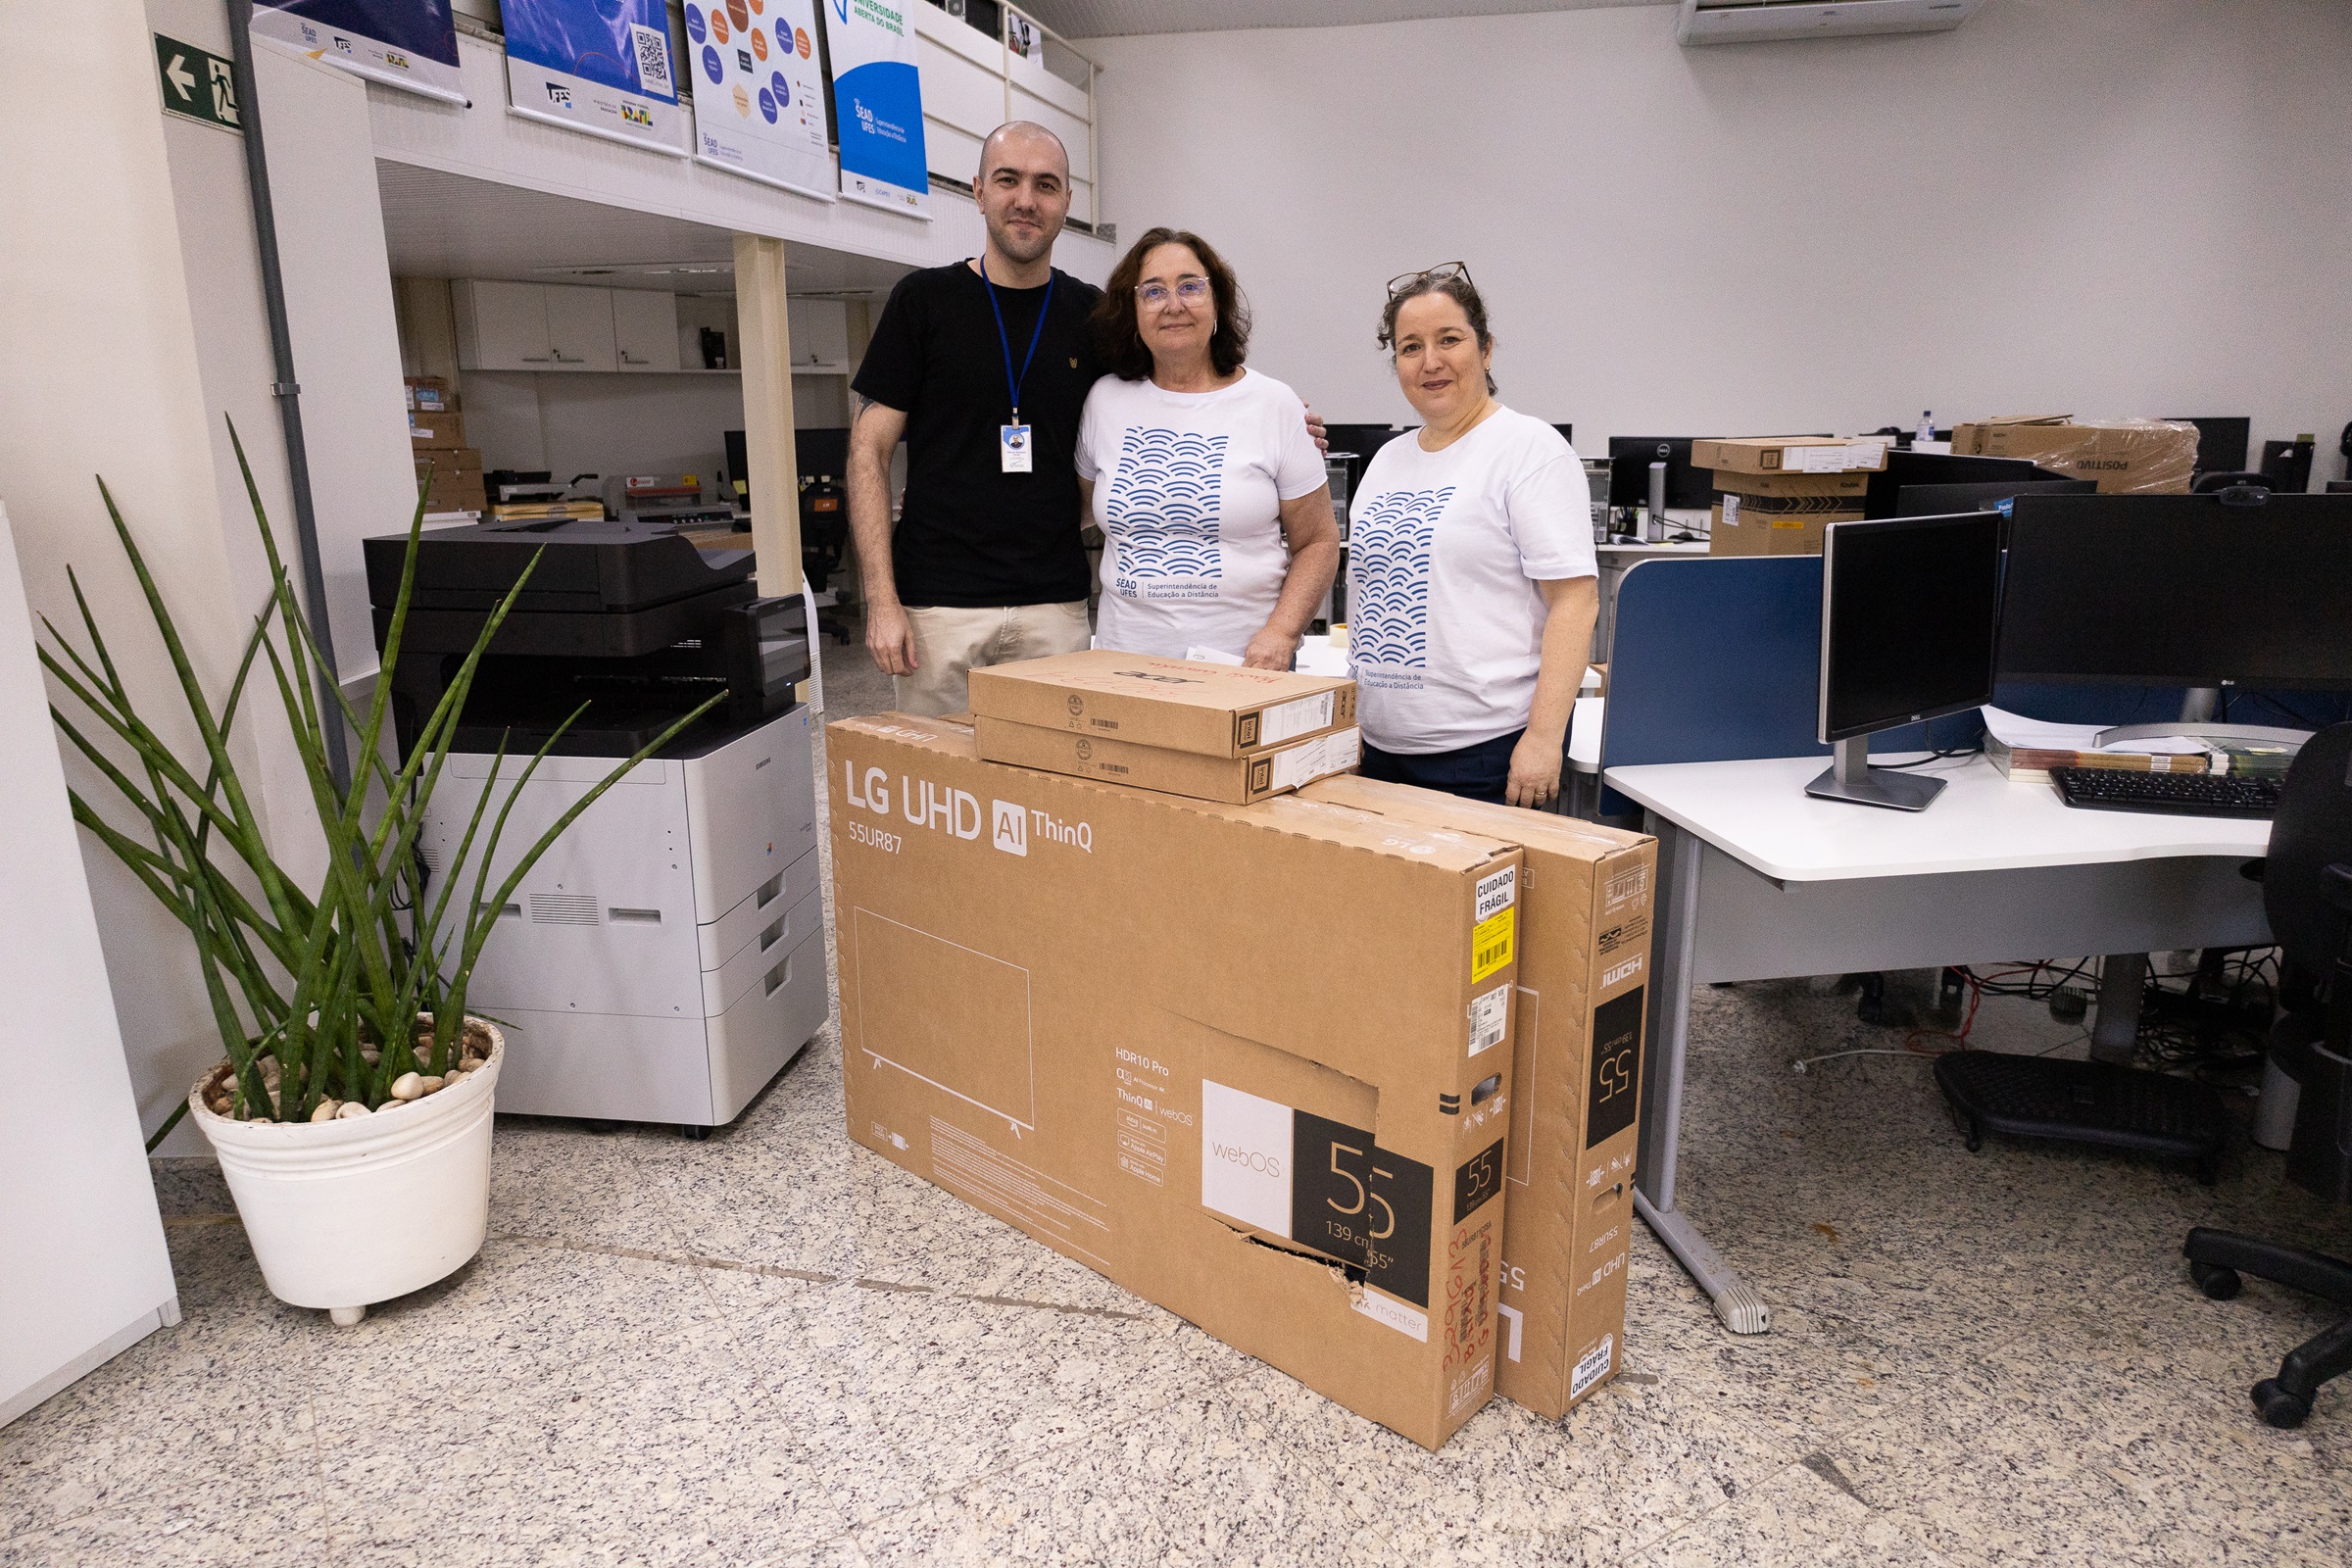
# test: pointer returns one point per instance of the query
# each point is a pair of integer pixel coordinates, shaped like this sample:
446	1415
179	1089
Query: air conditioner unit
1770	20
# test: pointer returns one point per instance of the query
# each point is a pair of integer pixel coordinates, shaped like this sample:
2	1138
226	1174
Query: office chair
2307	893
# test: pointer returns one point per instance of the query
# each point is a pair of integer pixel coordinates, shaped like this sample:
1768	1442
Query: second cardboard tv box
1251	1062
1177	704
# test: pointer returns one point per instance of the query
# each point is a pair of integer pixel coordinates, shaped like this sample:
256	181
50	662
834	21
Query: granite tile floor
774	1348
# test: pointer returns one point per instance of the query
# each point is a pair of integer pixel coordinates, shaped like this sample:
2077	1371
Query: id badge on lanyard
1012	446
1015	443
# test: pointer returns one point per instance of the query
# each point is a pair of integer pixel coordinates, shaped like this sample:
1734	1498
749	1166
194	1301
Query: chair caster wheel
1976	1139
2277	1406
2215	1281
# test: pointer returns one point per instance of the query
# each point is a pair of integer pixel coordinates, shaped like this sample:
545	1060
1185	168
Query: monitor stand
1850	777
2196	722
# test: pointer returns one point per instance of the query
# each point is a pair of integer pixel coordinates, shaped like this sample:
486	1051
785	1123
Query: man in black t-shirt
983	368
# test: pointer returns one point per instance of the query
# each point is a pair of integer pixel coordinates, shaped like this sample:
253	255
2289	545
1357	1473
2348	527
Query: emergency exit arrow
183	82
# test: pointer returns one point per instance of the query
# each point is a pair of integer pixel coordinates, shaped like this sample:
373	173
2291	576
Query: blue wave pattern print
1165	509
1392	542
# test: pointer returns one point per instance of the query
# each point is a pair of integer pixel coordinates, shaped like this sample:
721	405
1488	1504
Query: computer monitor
1629	457
1567	434
1903	467
1936	500
2179	591
1910	611
2222	441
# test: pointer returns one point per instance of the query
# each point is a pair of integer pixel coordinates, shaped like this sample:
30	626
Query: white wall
2107	207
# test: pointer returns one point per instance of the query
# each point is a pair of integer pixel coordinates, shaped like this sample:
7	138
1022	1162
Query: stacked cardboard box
1242	1057
1213	732
1774	494
451	478
434	423
2127	456
1246	1060
1586	899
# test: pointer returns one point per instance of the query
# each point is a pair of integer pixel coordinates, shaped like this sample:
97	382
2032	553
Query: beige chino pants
951	643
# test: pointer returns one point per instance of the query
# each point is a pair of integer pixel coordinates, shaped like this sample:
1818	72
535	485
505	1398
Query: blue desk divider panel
1718	659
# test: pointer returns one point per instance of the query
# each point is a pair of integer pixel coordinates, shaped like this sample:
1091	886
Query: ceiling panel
446	225
1101	19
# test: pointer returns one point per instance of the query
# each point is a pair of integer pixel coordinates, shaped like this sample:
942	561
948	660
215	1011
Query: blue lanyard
1013	384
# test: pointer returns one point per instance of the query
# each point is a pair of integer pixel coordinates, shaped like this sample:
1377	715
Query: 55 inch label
1360	1202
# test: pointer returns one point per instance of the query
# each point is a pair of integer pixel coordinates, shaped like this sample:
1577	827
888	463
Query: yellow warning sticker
1490	944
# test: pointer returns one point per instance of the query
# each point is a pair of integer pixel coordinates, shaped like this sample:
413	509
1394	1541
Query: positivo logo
1012	823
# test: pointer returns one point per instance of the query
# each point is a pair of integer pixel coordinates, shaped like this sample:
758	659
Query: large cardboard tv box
1251	1062
1585	899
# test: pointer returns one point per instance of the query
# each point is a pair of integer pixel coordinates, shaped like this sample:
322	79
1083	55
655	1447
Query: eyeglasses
1444	271
1192	291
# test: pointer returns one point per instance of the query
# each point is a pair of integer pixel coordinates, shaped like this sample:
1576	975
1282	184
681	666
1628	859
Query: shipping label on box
1179	705
1791	453
1241	1059
1587	910
1235	779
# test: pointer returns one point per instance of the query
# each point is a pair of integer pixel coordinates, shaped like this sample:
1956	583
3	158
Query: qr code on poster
653	58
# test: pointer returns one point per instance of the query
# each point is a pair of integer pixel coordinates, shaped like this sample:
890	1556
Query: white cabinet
821	334
533	326
502	326
645	329
580	328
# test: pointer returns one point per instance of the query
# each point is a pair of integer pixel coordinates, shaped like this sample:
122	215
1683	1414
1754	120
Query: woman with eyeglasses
1471	580
1201	474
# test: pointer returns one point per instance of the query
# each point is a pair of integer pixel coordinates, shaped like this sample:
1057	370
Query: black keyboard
2115	789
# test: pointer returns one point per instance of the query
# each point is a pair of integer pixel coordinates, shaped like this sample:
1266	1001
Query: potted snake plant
352	1110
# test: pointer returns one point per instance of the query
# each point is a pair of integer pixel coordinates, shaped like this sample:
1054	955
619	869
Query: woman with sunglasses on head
1201	474
1471	583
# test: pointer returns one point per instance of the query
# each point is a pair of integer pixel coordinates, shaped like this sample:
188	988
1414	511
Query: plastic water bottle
1927	426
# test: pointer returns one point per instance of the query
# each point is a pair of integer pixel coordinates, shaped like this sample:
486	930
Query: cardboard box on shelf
2127	456
1249	1062
1233	779
1183	706
451	478
1586	907
430	394
1791	453
439	431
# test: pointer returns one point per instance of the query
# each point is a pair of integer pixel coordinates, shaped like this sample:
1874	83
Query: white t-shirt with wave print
1188	489
1444	549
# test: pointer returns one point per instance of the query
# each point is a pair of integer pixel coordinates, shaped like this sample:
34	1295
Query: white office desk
1757	880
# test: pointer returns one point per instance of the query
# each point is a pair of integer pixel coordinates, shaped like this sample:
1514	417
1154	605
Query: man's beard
1013	247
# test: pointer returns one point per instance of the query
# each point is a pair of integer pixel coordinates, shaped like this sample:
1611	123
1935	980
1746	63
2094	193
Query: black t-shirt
971	535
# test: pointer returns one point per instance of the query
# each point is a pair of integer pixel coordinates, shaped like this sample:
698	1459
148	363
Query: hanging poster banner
760	92
402	43
598	65
878	105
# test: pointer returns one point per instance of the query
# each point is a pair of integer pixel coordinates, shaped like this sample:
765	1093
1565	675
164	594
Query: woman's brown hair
1120	343
1451	280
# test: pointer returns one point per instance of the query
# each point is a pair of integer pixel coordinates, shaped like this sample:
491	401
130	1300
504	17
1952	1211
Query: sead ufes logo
558	94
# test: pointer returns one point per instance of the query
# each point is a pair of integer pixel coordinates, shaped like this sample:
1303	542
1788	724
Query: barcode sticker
1490	1018
1839	458
653	59
1303	764
1492	942
1301	715
1731	512
1594	1367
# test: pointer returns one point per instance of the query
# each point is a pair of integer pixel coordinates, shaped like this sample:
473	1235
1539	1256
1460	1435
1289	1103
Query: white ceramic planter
342	1214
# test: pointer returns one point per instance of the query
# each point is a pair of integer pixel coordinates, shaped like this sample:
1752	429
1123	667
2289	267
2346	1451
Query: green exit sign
196	84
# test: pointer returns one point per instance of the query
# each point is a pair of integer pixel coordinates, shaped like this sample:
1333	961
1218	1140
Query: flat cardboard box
1791	453
1586	905
2133	457
451	478
1241	1059
1776	486
1237	780
1738	529
1145	700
